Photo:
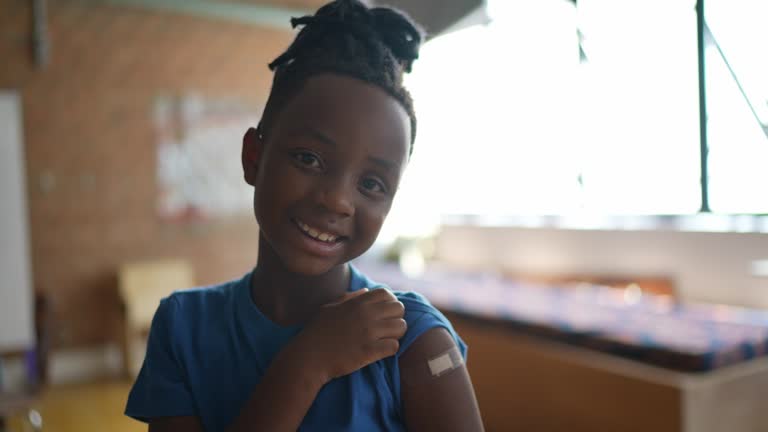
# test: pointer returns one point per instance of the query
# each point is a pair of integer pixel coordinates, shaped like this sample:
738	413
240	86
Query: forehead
352	112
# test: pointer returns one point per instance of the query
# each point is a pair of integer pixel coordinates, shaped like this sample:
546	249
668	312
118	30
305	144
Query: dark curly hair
375	45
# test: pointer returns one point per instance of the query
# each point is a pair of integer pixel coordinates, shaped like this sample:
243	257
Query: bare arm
446	402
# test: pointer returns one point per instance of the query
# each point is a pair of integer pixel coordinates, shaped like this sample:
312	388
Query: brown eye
372	185
307	159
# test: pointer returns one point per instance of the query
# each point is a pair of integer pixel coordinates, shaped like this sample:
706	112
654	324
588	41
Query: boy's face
326	172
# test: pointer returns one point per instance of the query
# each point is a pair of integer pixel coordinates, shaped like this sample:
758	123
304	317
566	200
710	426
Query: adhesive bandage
445	362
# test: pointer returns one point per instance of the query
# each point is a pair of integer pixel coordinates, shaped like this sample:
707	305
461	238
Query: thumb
349	296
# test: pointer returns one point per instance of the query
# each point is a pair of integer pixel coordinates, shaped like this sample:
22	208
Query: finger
389	329
382	348
386	310
348	296
378	295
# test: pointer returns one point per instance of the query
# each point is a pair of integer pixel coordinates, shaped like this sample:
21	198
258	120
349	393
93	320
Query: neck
289	298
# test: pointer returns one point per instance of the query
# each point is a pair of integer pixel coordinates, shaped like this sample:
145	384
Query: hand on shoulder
361	328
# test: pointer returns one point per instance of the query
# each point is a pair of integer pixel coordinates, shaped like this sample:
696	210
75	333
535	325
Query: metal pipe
703	144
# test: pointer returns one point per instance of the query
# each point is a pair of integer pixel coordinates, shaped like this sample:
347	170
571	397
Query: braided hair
345	37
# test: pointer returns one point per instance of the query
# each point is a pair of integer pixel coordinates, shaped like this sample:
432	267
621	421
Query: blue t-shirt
208	348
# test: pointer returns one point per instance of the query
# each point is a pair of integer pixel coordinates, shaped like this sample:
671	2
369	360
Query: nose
336	196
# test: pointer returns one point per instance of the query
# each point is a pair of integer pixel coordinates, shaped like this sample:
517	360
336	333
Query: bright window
737	103
554	109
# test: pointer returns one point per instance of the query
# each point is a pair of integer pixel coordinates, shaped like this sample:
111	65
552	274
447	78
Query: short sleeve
421	316
161	389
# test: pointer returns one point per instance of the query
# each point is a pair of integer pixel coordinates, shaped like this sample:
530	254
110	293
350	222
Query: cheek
278	183
268	197
371	219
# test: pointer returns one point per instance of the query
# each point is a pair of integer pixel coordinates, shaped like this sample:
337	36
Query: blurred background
587	199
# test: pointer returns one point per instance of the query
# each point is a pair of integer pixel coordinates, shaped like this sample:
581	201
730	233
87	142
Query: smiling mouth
317	234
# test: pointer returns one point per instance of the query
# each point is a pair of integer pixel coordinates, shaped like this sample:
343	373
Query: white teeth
324	237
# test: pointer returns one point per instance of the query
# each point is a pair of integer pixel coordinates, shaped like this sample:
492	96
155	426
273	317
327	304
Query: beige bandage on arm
445	362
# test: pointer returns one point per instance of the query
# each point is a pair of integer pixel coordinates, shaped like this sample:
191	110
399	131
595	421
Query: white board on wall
16	291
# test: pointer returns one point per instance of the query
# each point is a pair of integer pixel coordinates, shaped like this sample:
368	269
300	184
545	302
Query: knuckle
403	325
400	307
384	293
392	346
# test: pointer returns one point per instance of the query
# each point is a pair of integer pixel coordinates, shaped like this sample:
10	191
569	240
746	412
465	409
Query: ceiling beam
442	16
268	16
437	16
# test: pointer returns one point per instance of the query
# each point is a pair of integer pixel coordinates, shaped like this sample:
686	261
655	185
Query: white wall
16	293
706	266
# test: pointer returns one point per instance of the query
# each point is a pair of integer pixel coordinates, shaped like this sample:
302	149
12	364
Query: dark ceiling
435	15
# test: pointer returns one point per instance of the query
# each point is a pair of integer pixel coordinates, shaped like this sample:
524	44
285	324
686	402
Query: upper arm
446	402
175	424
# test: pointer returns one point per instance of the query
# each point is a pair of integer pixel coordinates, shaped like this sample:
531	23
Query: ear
253	148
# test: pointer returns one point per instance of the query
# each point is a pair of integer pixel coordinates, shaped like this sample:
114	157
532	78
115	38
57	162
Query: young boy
305	341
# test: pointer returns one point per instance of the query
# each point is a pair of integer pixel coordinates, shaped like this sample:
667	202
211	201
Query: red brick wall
88	127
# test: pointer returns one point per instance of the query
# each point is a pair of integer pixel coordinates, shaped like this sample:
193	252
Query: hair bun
399	33
393	28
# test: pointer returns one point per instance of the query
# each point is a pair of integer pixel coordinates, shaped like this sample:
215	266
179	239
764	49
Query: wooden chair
141	285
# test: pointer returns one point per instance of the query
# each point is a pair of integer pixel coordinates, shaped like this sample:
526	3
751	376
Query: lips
317	233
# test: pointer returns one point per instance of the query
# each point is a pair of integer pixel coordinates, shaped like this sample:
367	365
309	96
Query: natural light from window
514	121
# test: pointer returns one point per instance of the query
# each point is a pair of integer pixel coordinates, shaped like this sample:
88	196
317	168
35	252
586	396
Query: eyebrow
319	136
384	163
